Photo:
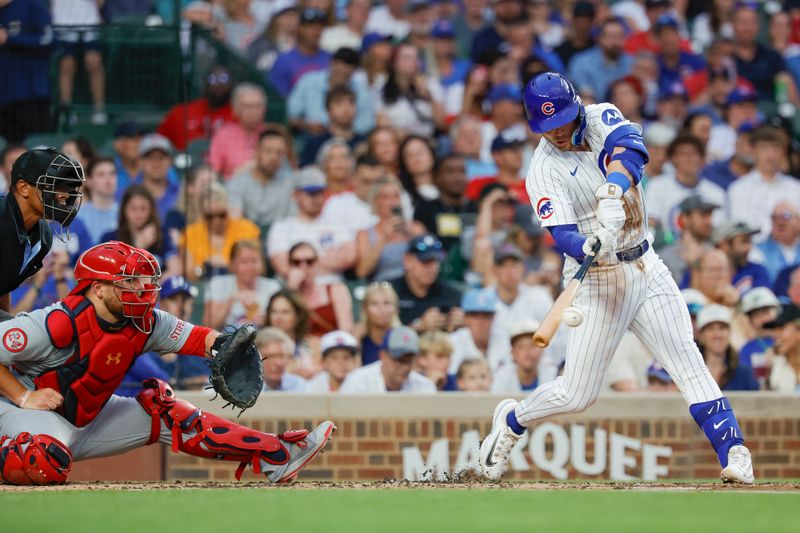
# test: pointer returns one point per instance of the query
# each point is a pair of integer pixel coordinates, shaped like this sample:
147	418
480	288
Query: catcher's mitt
237	373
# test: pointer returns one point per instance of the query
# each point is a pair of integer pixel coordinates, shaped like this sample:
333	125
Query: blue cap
426	247
741	94
504	91
658	372
479	301
174	285
373	38
672	90
312	16
666	21
129	128
443	29
508	138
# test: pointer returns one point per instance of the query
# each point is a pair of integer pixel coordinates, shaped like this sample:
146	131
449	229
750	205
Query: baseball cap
347	56
338	339
508	138
310	179
374	38
504	91
583	9
155	141
730	230
657	3
426	247
789	313
742	94
714	313
675	89
759	298
175	285
311	16
696	203
659	134
479	301
401	341
695	300
443	29
658	372
526	219
525	326
416	5
666	21
129	128
507	251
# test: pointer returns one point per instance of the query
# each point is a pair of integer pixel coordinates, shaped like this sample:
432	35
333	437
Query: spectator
433	360
379	314
627	94
699	123
496	209
234	144
711	275
472	340
672	105
336	161
376	55
506	103
735	238
695	223
339	358
305	57
714	341
593	70
761	307
280	36
657	137
381	247
340	105
99	210
350	32
287	312
759	64
127	137
53	282
392	373
204	116
474	375
466	141
390	19
139	225
240	297
506	12
354	209
785	371
208	242
727	171
188	209
694	300
741	114
157	175
765	185
425	301
263	192
408	101
26	38
448	71
334	244
468	22
783	39
383	144
421	18
239	23
276	349
308	106
645	40
507	154
713	24
448	215
711	87
542	263
580	38
522	373
665	193
80	149
782	248
674	63
659	380
417	160
8	155
330	306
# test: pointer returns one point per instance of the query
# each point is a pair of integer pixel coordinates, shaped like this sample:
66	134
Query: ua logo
116	359
611	117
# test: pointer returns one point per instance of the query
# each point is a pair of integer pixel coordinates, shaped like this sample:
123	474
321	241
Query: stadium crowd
382	238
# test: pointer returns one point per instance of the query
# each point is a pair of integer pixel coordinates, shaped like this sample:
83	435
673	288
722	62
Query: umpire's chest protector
102	357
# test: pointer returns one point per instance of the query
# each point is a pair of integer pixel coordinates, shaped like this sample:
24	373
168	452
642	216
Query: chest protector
102	357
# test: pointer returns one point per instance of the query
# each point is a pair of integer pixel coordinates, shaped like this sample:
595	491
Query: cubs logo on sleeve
15	340
544	208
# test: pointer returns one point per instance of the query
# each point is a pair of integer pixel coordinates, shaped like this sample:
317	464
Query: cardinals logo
15	340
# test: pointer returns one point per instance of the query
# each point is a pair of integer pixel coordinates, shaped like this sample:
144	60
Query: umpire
45	187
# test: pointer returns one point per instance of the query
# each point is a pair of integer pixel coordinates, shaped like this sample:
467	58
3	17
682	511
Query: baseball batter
583	182
67	359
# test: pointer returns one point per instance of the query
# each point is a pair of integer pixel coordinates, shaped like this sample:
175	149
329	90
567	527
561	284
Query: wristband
24	399
620	179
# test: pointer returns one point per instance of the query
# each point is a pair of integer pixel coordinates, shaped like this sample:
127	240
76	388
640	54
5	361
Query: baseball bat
552	320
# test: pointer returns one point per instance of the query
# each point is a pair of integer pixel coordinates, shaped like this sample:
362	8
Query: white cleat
740	466
496	447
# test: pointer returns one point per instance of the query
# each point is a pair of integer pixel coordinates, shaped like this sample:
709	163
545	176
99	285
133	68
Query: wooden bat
552	320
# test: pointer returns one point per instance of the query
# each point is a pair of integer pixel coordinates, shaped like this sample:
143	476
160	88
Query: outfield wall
621	437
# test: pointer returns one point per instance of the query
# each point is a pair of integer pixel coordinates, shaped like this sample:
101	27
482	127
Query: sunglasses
303	261
214	79
212	216
428	244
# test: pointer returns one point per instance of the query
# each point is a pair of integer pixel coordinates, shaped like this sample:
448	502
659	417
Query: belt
632	254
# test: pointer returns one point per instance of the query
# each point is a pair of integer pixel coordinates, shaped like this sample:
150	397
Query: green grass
389	510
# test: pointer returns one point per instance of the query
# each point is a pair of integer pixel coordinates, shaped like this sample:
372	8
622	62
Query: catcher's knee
34	460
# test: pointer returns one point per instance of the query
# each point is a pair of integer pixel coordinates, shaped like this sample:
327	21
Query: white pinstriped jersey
561	185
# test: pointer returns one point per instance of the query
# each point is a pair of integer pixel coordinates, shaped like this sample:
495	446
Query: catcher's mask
134	272
59	180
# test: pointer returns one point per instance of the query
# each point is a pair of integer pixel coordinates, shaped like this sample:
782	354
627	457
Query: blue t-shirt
748	277
743	379
98	221
756	346
166	250
370	352
25	56
145	366
720	173
289	66
687	64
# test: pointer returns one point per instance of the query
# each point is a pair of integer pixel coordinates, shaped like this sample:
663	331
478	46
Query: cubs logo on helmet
548	108
550	102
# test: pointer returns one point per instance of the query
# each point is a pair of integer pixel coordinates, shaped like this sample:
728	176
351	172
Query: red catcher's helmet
133	272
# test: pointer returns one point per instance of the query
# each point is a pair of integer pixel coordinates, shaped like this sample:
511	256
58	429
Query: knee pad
34	460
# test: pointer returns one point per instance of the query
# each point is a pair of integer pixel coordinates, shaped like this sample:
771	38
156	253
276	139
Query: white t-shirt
221	288
319	384
721	143
464	348
382	21
321	233
630	362
340	37
506	381
752	199
532	302
349	212
289	383
369	380
664	195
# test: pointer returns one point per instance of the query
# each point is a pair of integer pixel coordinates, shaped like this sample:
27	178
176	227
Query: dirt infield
393	484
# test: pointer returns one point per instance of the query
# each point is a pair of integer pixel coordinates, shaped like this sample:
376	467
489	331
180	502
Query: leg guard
718	422
34	460
206	435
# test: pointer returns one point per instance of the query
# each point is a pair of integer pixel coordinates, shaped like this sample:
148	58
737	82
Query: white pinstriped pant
644	299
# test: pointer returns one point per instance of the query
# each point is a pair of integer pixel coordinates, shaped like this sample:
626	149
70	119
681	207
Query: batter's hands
42	400
608	242
610	210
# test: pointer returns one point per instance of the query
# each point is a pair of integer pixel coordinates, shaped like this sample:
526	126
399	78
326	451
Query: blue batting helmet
550	102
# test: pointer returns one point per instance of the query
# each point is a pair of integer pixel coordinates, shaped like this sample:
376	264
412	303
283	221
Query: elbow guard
635	155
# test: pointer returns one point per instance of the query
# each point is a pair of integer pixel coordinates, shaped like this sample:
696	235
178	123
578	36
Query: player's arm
172	335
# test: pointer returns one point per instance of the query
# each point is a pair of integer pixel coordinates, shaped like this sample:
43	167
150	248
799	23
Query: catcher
67	359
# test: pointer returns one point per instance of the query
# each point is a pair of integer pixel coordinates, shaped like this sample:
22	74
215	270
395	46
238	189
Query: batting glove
608	242
610	211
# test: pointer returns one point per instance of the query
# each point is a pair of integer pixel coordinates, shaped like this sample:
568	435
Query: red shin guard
34	460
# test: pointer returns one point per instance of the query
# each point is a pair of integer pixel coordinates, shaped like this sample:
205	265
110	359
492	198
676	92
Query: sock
515	426
718	422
